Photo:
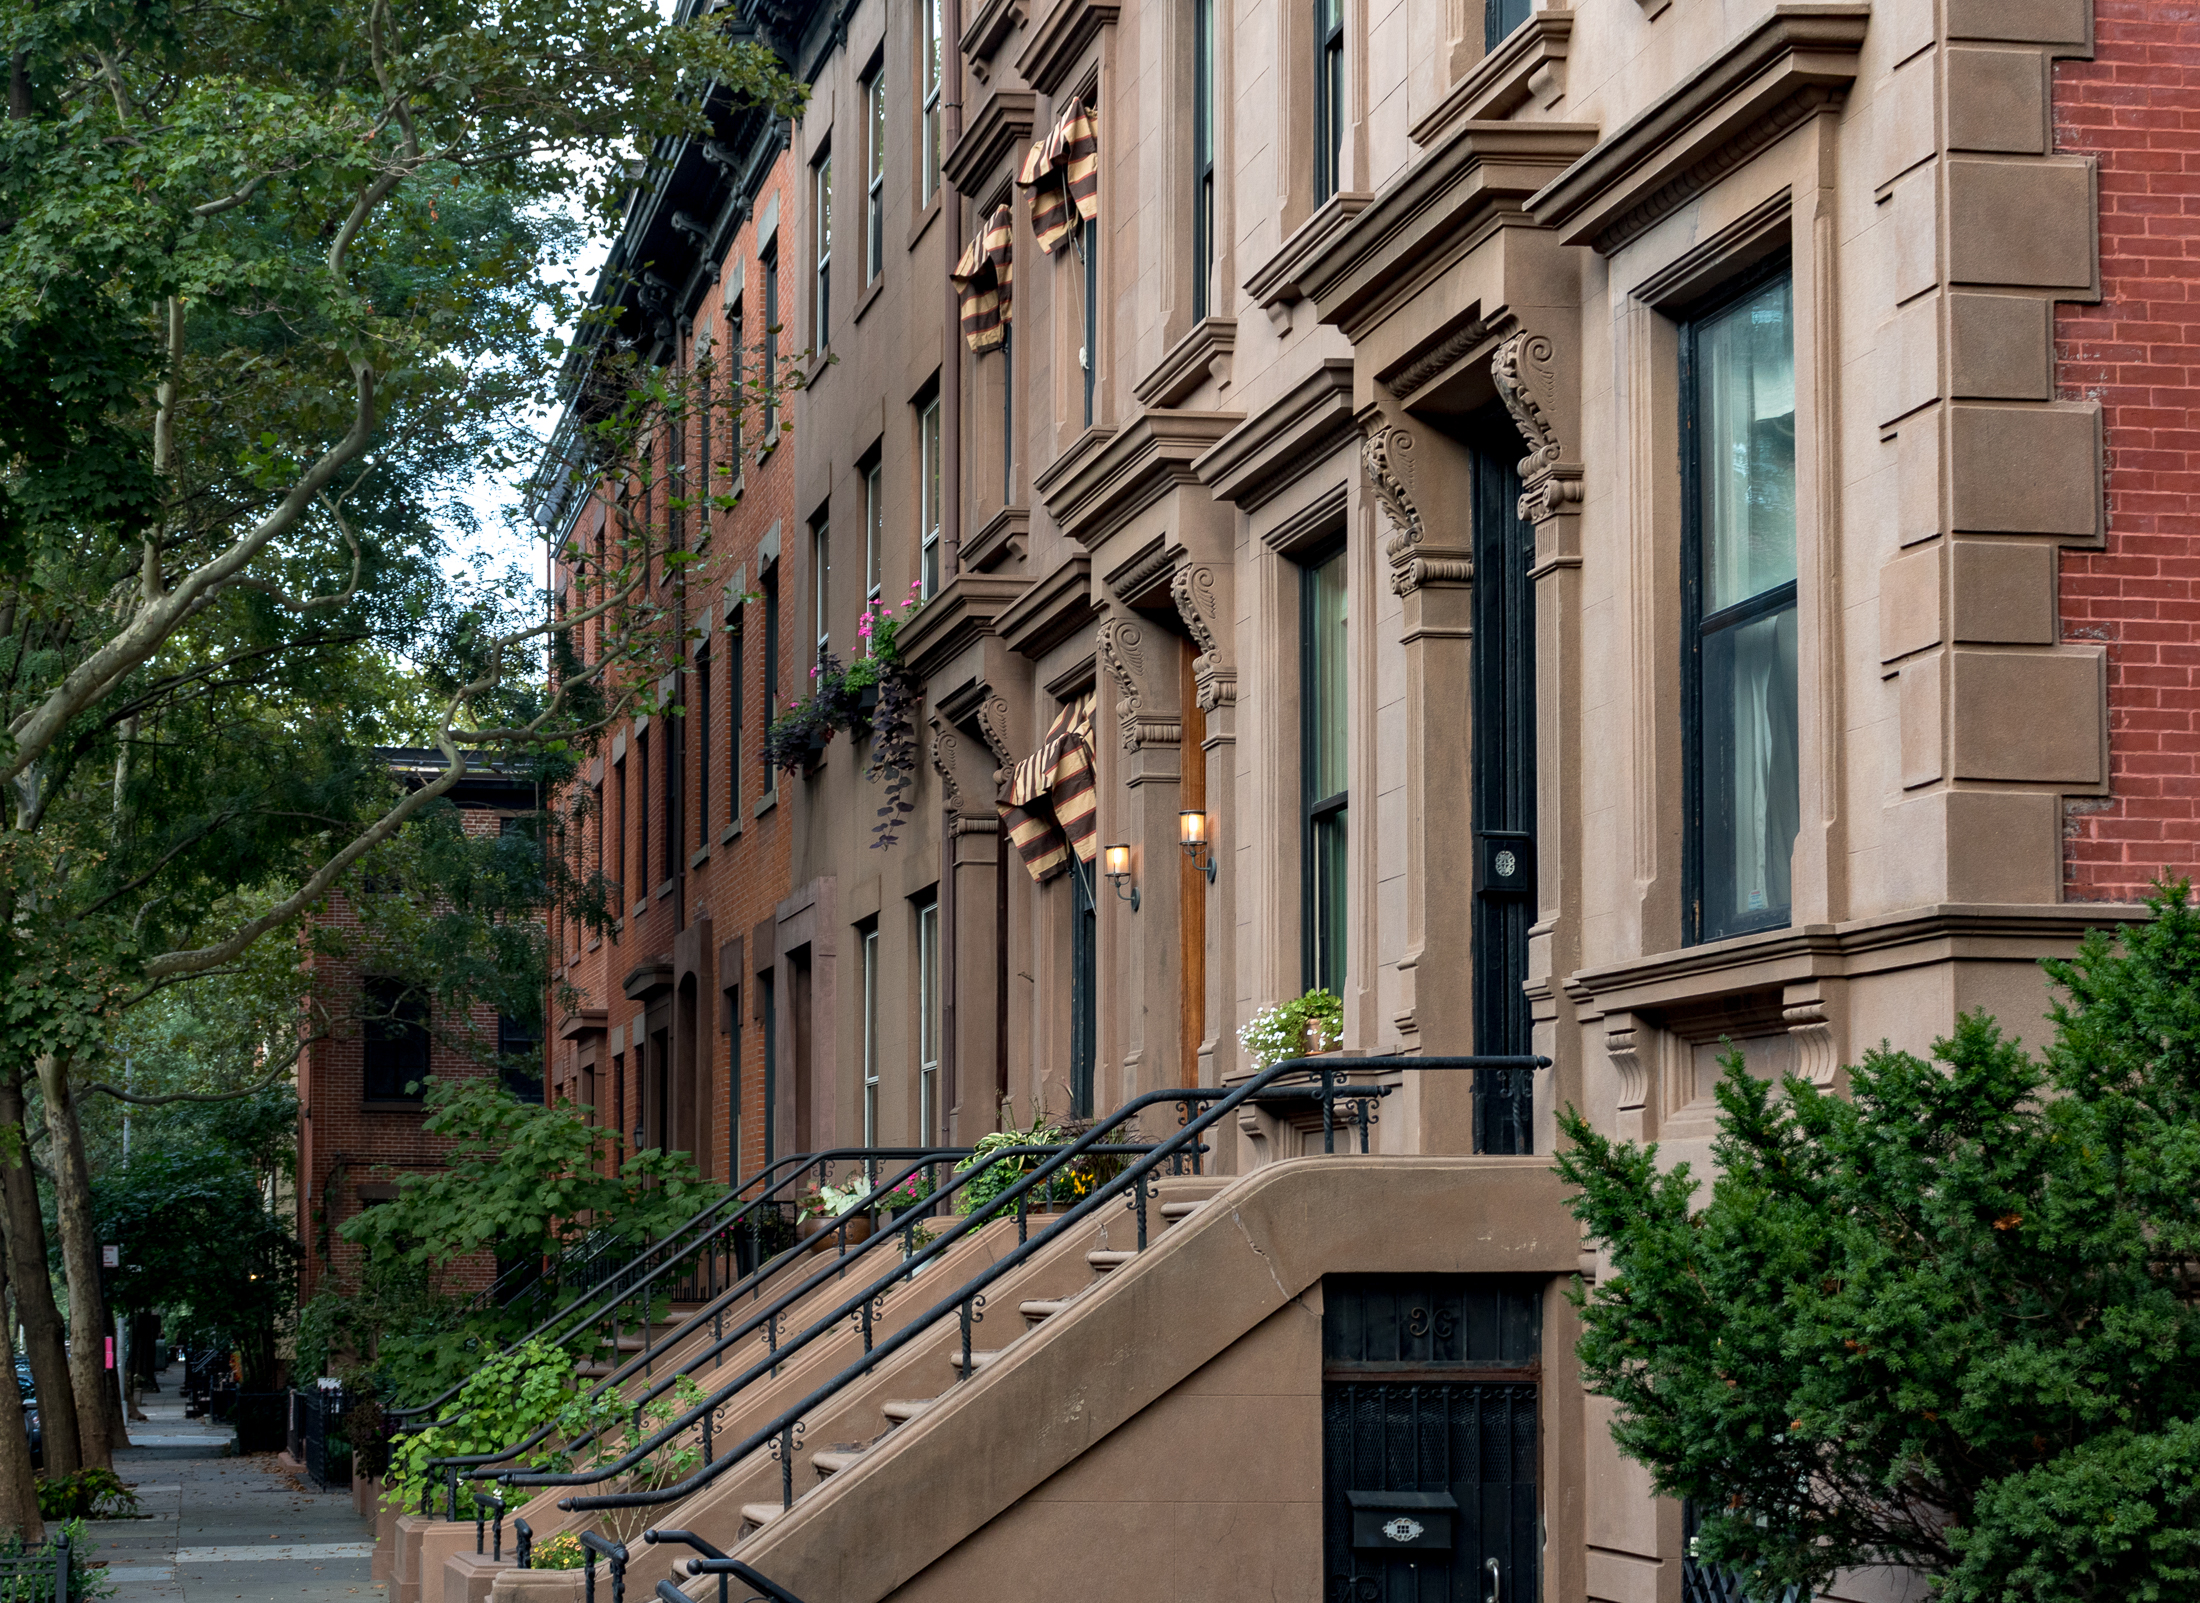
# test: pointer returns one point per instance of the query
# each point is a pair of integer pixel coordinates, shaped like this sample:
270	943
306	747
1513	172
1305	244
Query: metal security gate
1429	1392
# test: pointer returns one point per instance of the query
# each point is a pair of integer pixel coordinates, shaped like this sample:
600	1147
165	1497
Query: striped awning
985	280
1051	806
1062	171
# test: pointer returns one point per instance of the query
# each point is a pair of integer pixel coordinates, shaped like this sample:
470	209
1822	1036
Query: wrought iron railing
966	1302
766	1317
692	1262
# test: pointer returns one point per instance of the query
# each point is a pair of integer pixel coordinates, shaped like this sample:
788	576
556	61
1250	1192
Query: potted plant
832	1213
989	1179
1305	1027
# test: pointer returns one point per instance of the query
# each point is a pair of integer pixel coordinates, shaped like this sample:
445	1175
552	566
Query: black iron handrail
591	1306
477	1465
968	1299
714	1562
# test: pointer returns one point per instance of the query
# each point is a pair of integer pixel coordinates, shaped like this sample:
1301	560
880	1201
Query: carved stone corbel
1526	370
1388	456
946	747
1623	1044
992	718
1810	1025
1199	604
1127	656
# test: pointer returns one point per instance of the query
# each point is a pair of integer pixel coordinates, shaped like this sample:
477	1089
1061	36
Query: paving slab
223	1529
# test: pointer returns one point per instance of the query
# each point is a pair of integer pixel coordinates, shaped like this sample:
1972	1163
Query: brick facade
353	1152
2138	353
729	884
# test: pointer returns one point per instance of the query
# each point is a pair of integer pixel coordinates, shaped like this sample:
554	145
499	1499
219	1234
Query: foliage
505	1401
989	1179
197	1174
604	1428
87	1582
86	1494
1949	1322
894	719
389	1321
792	741
560	1552
830	1201
365	1425
522	1181
1279	1032
913	1192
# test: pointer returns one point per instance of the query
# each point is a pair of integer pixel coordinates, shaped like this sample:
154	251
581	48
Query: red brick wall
2136	107
743	881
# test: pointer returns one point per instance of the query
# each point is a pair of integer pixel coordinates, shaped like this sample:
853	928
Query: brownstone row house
1614	526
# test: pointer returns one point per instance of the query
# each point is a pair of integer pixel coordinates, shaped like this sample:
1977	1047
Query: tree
272	294
1951	1321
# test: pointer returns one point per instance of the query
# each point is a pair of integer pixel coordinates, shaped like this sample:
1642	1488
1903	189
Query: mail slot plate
1392	1522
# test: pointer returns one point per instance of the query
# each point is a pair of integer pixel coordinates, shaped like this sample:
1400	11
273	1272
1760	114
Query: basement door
1503	669
1429	1393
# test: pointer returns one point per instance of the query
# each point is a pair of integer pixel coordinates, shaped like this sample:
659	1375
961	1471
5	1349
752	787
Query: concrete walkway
224	1529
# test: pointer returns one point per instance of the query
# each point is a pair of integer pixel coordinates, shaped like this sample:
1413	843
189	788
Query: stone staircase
1100	1262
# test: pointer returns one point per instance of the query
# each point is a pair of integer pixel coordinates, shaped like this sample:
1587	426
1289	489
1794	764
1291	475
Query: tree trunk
96	1416
18	1482
25	1228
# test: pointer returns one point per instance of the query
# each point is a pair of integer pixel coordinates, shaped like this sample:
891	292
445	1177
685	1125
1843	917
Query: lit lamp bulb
1119	869
1191	828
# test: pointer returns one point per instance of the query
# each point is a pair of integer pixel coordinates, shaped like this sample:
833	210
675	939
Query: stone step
1105	1259
755	1516
1041	1308
833	1463
1177	1212
901	1412
979	1357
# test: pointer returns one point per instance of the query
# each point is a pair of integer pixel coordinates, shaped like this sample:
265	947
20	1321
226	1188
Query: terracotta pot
824	1231
1314	1040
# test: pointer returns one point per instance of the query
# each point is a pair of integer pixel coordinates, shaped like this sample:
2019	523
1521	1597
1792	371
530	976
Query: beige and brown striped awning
1051	808
1062	171
985	280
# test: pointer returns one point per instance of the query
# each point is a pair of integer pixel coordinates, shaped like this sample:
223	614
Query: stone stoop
537	1586
868	1414
423	1545
468	1577
824	1357
1176	1392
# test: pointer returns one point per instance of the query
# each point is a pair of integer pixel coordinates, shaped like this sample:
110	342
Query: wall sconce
1191	826
1119	870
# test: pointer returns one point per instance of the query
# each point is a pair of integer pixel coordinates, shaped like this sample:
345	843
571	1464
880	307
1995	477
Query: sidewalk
226	1528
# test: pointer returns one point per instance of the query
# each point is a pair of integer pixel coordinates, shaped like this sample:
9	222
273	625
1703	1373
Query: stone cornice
651	977
1431	213
1054	42
1272	449
1137	465
1004	537
988	27
1202	354
1001	127
1276	281
585	1021
1797	60
1936	934
1055	607
1530	63
964	610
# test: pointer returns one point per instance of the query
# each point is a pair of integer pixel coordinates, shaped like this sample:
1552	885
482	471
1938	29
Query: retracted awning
1070	156
1051	806
985	282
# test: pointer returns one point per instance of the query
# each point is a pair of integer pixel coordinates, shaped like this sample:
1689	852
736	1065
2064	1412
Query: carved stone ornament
1810	1027
1623	1047
1124	653
945	748
1200	606
1526	370
1388	457
993	723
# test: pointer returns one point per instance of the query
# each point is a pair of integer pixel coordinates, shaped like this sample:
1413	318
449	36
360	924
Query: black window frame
1316	810
1502	18
1696	627
517	1038
641	806
701	720
769	584
736	696
396	1051
1203	155
1329	119
1088	261
768	258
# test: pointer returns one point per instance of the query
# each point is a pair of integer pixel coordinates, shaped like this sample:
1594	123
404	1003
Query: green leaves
1947	1321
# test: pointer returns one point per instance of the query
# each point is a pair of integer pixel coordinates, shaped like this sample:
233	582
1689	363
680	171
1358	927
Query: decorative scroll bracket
1526	370
1196	590
1126	655
1388	454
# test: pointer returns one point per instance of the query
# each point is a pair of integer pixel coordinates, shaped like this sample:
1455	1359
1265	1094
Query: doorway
1503	783
1429	1438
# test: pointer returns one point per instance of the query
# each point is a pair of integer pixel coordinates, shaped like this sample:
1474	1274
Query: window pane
1749	781
1331	835
1745	417
1325	682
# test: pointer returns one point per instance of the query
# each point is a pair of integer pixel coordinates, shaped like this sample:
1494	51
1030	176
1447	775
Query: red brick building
359	1100
2132	108
669	1023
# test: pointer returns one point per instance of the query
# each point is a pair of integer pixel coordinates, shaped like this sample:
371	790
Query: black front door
1429	1390
1503	784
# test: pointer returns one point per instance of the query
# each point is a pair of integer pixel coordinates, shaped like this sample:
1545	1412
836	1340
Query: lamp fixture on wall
1191	825
1119	870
